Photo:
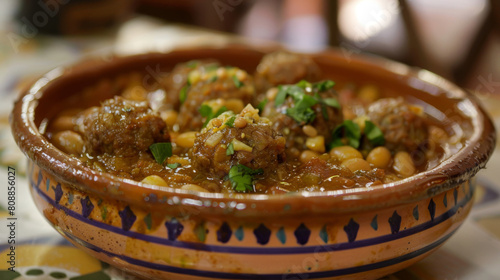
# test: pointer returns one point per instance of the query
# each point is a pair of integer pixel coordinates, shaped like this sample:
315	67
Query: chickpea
63	123
380	157
344	153
154	180
356	164
309	130
186	139
193	187
307	155
369	93
240	122
170	117
403	164
316	144
234	105
69	141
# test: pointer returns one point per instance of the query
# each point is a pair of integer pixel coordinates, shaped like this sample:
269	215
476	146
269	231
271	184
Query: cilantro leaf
173	165
332	102
237	82
303	84
192	63
211	67
374	134
230	149
324	85
230	122
183	93
242	177
207	112
281	96
302	111
161	151
348	130
213	79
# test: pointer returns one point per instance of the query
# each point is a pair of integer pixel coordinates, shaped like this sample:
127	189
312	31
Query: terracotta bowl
166	233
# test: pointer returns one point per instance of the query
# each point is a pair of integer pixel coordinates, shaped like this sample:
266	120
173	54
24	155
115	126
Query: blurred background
458	39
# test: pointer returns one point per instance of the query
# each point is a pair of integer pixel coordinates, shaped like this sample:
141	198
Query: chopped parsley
374	134
213	79
230	149
173	165
211	67
161	151
192	63
208	113
230	122
302	111
242	177
304	84
237	82
350	131
183	93
324	85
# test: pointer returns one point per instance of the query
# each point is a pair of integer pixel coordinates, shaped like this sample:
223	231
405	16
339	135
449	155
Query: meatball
250	141
403	124
285	68
299	120
121	127
167	96
226	83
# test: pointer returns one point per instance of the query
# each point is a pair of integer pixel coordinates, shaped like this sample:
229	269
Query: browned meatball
403	125
167	97
226	83
121	127
251	141
296	124
281	67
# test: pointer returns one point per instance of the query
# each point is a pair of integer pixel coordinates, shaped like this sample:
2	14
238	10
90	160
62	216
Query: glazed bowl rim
446	175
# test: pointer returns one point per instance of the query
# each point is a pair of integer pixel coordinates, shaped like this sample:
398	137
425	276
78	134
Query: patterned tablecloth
41	253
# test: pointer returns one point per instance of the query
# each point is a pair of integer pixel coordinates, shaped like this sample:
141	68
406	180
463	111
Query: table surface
472	253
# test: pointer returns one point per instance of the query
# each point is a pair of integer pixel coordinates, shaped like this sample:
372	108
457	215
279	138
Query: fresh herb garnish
242	177
261	105
211	67
173	165
230	149
302	111
207	112
304	84
213	79
374	134
324	85
183	93
281	95
230	121
332	102
192	63
161	151
350	131
237	82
